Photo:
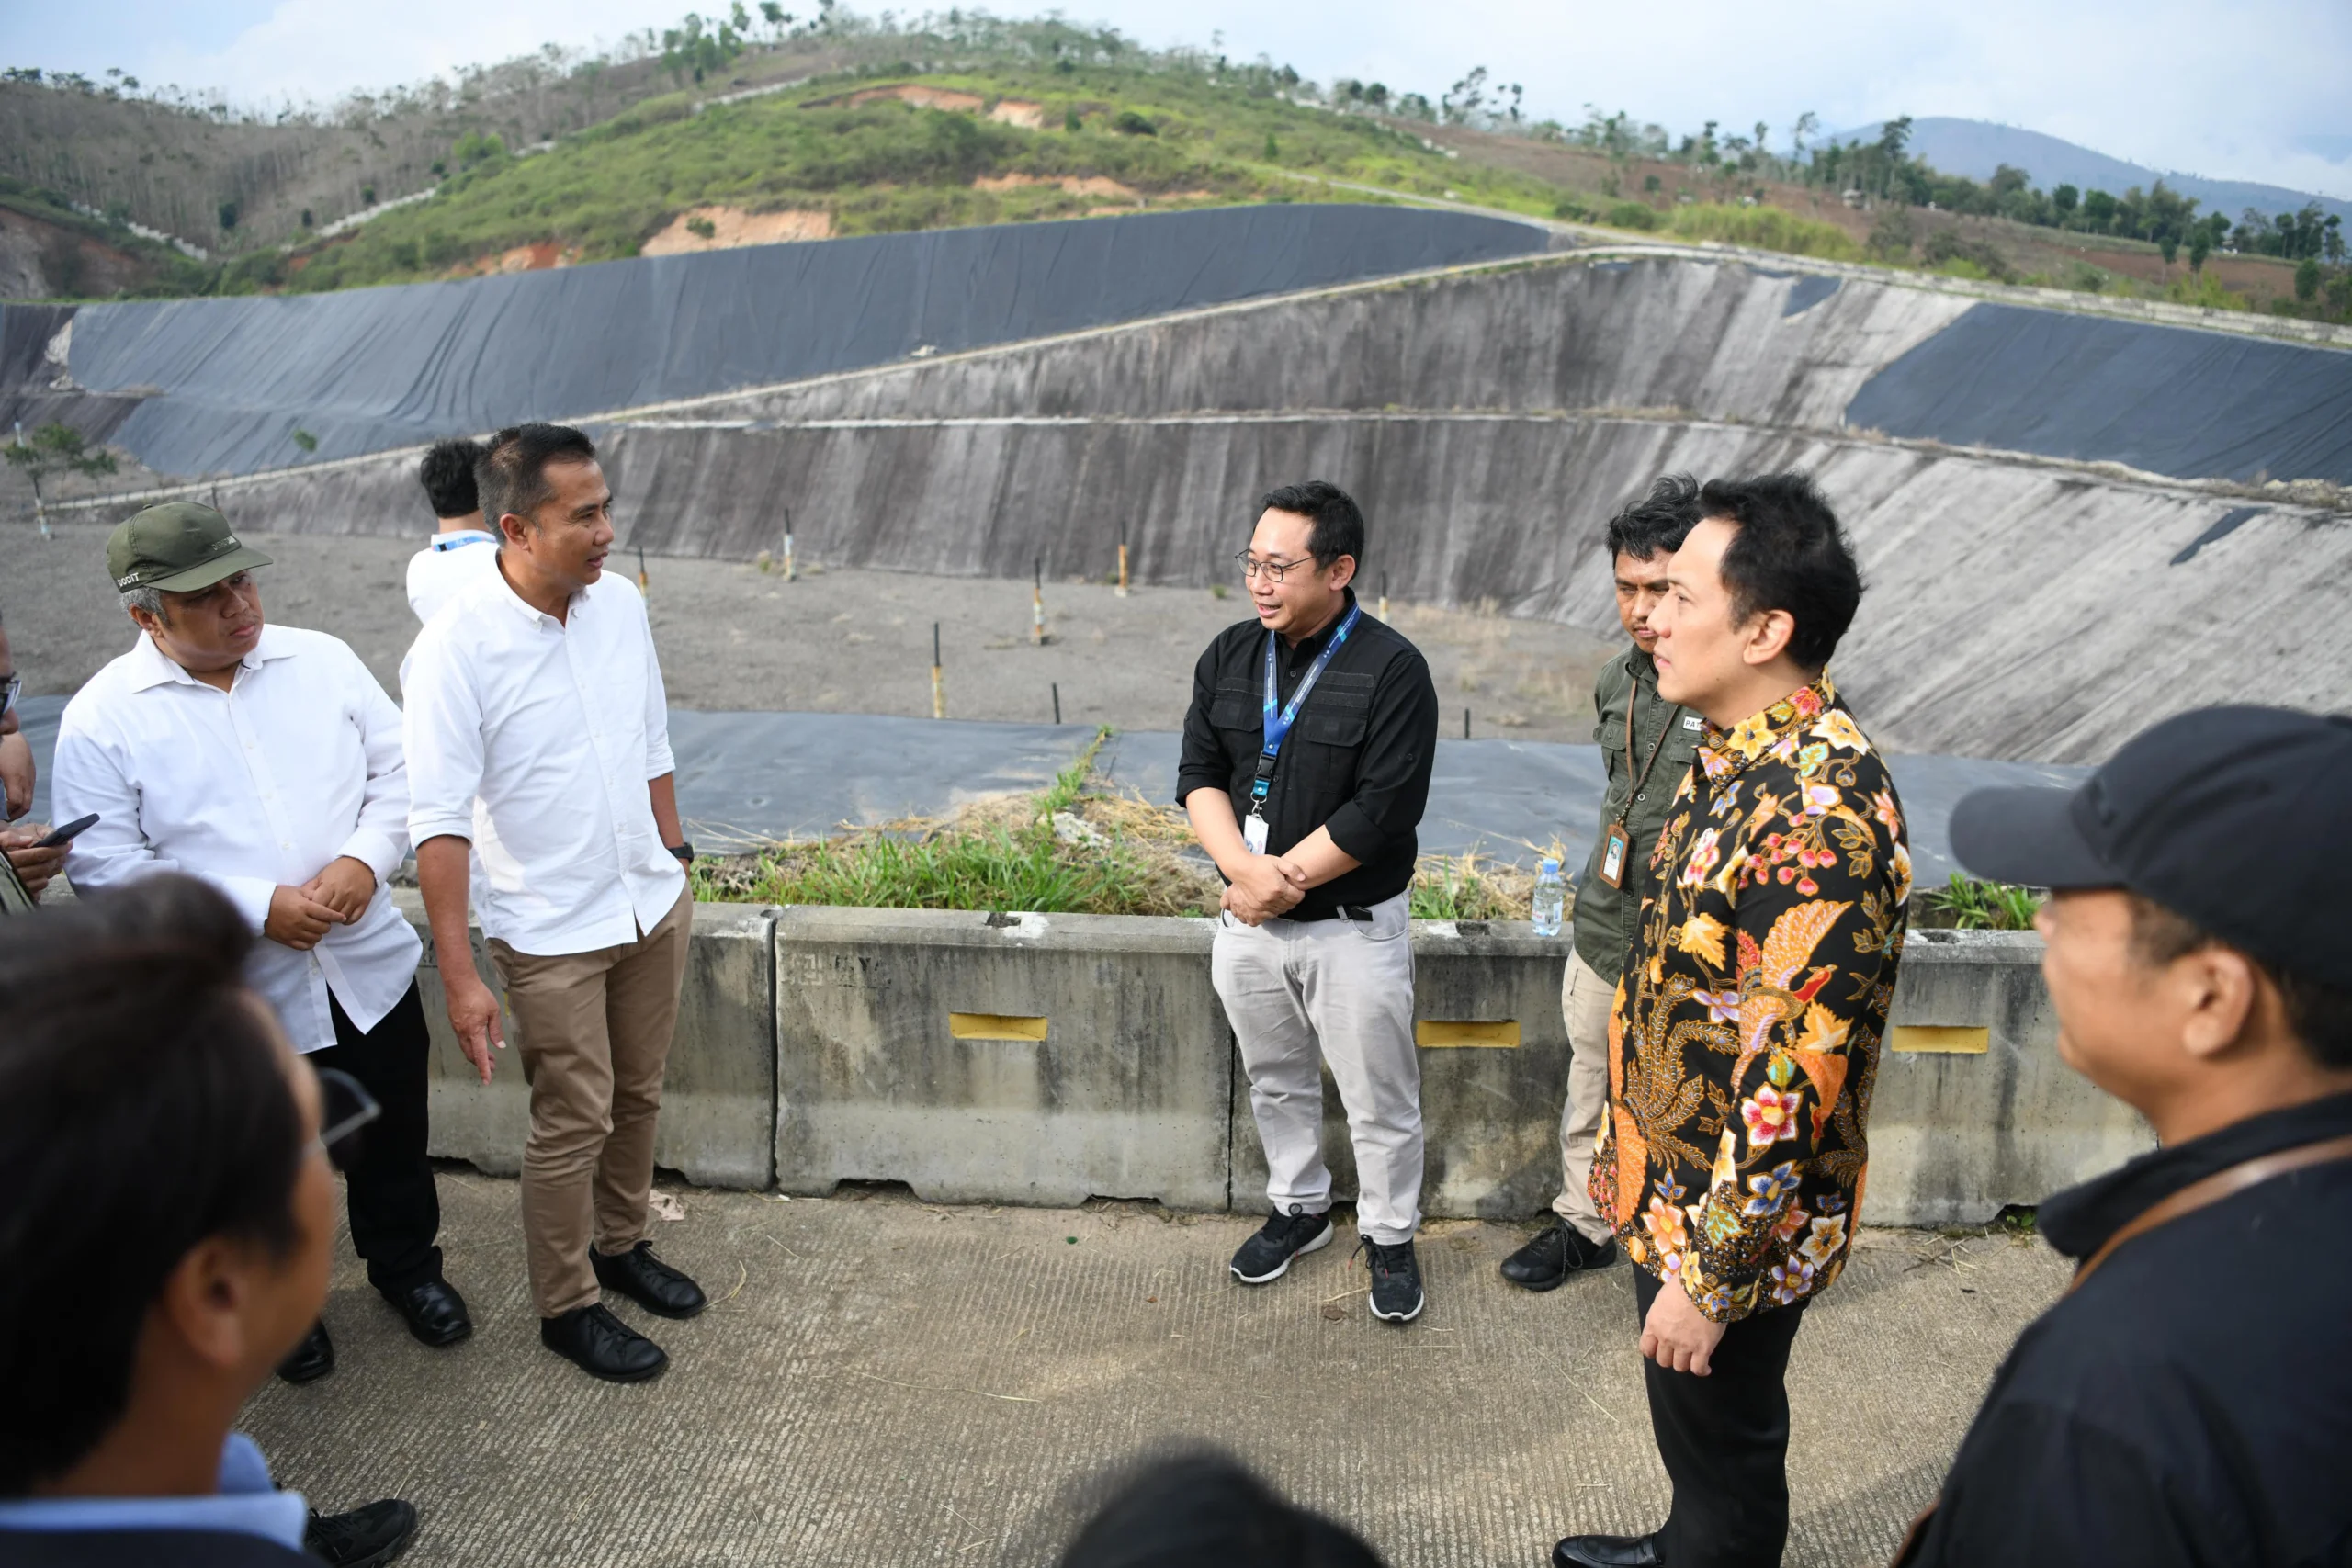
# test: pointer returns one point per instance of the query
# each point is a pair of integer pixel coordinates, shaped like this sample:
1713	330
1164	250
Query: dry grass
1075	848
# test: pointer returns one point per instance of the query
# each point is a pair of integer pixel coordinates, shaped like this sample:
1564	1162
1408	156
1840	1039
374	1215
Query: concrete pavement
885	1382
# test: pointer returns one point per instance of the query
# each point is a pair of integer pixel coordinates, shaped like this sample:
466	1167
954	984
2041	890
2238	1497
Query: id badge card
1253	833
1612	856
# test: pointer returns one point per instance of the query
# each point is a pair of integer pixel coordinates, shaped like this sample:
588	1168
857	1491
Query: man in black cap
2188	1400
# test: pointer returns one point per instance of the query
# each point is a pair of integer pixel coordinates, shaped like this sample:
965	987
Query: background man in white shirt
537	735
459	555
267	761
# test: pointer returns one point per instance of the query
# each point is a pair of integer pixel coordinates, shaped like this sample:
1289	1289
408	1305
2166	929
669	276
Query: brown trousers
595	1029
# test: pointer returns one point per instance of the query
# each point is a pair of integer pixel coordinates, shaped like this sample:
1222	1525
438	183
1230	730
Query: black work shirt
1357	762
2193	1402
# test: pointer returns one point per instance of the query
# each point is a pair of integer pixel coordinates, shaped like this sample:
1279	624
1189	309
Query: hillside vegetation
867	155
753	128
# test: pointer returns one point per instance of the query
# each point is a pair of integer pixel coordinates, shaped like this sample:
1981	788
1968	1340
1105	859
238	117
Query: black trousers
395	1211
1725	1439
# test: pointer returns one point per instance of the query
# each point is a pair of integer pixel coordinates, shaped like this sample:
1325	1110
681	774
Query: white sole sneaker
1318	1244
1419	1302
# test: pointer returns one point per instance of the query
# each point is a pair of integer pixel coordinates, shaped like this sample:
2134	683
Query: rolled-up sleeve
441	739
1400	749
379	840
1202	763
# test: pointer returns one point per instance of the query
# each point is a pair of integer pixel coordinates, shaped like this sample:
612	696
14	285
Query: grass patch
1072	848
1764	227
1965	904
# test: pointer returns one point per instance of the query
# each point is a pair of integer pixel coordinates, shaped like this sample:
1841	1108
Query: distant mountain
1975	147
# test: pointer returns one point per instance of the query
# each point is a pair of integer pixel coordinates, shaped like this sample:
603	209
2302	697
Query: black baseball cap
2238	820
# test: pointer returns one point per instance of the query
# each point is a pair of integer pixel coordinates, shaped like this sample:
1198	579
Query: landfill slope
233	382
2166	399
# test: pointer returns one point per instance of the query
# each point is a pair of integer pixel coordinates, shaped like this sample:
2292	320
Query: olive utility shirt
1602	927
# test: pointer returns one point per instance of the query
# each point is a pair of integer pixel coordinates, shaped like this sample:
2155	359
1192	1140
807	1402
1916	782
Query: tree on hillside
54	448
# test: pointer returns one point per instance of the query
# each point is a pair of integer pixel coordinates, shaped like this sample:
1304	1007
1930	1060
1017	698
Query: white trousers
1585	1000
1301	993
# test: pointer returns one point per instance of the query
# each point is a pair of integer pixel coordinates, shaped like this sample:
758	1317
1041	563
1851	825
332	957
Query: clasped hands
338	895
1264	887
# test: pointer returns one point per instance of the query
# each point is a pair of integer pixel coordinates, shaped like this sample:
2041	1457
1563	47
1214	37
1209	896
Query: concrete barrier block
1494	1063
1972	1110
718	1094
484	1126
1037	1059
718	1121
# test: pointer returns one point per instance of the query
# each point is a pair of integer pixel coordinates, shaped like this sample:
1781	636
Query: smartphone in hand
67	834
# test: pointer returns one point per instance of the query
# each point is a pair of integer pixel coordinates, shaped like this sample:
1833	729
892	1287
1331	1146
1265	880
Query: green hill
876	152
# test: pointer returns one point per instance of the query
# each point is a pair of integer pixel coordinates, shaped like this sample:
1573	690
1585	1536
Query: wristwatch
685	853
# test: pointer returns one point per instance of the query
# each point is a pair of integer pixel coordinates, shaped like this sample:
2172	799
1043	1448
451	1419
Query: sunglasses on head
344	1108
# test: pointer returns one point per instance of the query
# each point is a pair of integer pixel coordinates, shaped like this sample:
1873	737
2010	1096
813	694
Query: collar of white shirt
152	667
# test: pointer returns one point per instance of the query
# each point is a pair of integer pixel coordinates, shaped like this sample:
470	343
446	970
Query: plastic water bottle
1551	899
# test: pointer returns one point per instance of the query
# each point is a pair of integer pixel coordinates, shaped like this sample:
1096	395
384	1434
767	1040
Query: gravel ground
733	638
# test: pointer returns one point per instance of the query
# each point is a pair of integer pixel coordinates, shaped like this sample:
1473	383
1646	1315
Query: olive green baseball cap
180	546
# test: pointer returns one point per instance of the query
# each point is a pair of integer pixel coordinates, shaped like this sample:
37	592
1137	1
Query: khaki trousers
1585	1001
595	1029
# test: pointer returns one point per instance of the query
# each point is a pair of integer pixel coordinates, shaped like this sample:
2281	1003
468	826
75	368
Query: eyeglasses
10	685
343	1109
1272	570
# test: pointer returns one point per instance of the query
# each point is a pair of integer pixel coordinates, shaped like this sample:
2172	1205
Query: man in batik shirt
1746	1028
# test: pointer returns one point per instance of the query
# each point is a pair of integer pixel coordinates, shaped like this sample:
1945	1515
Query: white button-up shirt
447	567
535	738
295	765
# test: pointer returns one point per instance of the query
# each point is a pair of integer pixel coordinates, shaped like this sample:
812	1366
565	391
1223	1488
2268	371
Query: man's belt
1338	912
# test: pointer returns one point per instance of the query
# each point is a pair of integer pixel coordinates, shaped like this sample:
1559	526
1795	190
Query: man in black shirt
2188	1401
1305	766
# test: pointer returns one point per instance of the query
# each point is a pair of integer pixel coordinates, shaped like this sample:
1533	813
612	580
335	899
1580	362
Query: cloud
2249	91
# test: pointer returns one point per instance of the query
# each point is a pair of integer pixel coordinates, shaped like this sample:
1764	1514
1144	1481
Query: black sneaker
1395	1281
362	1537
1557	1251
1265	1257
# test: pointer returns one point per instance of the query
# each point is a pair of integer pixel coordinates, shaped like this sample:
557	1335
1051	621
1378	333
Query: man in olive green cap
267	762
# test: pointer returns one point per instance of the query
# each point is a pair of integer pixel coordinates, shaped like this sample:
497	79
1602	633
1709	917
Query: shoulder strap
2197	1195
2212	1189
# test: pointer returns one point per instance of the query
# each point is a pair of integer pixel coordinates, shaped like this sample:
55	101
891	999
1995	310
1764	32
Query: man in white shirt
459	555
537	737
267	762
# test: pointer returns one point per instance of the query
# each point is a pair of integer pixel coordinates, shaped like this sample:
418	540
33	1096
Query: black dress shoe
1557	1251
434	1311
1607	1551
646	1280
601	1345
363	1537
311	1359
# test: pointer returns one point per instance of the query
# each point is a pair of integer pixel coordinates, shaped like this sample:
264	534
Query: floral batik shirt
1745	1033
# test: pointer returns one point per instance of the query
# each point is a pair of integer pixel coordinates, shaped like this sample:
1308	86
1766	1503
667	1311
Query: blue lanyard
1278	724
457	542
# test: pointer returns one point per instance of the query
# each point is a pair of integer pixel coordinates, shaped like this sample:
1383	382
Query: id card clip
1613	847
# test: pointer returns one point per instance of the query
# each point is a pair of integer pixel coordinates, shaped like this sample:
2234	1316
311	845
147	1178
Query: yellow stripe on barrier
995	1026
1954	1040
1438	1034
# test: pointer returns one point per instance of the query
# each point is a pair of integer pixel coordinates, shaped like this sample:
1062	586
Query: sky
2251	89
